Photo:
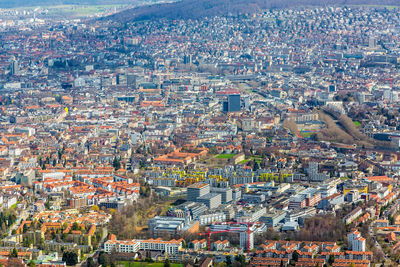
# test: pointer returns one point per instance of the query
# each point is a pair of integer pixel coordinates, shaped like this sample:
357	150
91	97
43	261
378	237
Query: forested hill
199	8
29	3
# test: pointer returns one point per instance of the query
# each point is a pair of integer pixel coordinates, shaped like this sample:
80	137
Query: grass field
256	159
376	6
15	205
244	161
225	156
78	10
357	123
306	134
147	264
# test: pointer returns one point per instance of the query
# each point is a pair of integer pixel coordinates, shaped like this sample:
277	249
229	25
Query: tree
95	208
391	220
291	125
228	260
145	190
331	259
90	262
70	257
102	259
47	204
27	242
241	260
25	228
295	256
117	163
256	166
14	253
75	226
166	263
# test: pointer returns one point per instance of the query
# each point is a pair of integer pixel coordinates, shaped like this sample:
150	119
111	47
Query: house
206	262
391	237
382	223
220	245
354	214
356	241
198	244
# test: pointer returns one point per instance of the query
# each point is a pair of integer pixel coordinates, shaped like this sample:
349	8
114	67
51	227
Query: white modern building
132	246
356	241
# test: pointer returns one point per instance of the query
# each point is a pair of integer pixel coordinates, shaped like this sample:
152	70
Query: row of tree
7	218
318	228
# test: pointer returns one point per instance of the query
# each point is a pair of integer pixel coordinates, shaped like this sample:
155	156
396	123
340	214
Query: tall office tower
313	167
187	59
197	190
243	240
14	67
372	42
233	104
246	102
131	80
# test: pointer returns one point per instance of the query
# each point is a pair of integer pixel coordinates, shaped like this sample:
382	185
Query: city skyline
221	133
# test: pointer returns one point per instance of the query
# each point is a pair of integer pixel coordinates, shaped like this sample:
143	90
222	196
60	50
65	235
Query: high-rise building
233	104
372	42
14	67
131	80
187	59
225	106
246	103
121	79
243	240
226	193
313	167
197	190
211	200
332	88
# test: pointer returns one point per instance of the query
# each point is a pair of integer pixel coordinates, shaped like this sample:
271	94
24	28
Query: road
378	246
101	244
21	217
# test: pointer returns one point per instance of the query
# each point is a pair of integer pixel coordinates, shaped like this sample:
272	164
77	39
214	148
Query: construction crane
208	234
248	232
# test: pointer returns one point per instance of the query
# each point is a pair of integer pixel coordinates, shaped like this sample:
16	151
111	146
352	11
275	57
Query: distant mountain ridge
190	9
28	3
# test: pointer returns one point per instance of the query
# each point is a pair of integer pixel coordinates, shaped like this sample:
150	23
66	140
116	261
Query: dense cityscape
255	139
